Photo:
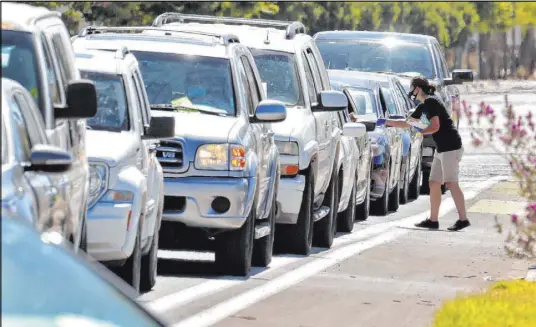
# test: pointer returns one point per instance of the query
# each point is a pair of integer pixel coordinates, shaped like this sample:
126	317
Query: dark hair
422	82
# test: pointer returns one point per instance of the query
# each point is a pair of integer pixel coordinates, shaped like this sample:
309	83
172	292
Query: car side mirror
81	101
459	76
354	129
269	111
370	125
331	101
49	159
161	127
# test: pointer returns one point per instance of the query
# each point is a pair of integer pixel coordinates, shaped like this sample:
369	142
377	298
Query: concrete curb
531	274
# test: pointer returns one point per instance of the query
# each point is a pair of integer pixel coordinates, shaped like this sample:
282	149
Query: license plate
168	155
428	152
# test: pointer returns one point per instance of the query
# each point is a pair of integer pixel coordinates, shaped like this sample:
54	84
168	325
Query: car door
322	122
257	130
363	146
393	135
27	133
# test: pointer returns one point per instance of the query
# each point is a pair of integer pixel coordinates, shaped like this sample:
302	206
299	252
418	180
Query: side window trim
138	79
253	87
138	94
45	43
312	96
314	69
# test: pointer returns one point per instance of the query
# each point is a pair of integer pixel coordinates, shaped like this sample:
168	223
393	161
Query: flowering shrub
515	139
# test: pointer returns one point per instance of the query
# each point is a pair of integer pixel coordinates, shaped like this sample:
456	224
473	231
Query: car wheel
130	271
382	204
347	217
263	247
394	197
298	239
234	249
404	192
363	209
415	184
326	228
149	262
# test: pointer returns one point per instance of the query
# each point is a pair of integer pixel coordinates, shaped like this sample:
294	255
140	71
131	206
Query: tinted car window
19	60
363	100
278	70
389	100
44	285
112	110
376	56
196	81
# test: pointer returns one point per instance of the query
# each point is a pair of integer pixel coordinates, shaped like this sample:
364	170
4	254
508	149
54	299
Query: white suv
309	139
126	179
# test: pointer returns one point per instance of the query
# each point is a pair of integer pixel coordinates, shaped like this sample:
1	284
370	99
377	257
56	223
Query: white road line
190	294
224	309
244	300
183	297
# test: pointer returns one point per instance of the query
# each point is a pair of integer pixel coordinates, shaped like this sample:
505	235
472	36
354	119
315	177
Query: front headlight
97	181
220	157
287	148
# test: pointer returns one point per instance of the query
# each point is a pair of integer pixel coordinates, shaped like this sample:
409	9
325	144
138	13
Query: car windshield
278	71
375	56
45	285
188	82
112	110
364	101
19	60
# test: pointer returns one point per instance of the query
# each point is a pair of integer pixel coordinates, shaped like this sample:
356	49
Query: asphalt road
382	274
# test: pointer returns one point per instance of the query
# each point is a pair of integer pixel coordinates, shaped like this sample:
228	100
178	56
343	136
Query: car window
21	138
63	290
196	82
441	59
363	100
145	100
34	123
112	110
139	93
377	56
53	81
405	98
59	48
279	71
19	60
310	82
255	92
243	77
314	68
4	143
388	97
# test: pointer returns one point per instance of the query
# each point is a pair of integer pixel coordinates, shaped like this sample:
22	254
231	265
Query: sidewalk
401	283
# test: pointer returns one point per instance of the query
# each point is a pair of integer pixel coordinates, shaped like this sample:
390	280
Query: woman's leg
459	199
435	200
451	173
436	176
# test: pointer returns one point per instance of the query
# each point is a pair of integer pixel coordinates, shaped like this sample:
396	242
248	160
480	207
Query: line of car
203	131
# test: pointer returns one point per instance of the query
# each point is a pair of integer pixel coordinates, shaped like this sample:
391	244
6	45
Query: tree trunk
527	50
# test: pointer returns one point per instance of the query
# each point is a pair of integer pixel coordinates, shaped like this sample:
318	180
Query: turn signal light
238	157
290	170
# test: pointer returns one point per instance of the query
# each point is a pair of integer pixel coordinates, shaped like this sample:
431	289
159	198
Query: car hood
200	126
283	130
110	147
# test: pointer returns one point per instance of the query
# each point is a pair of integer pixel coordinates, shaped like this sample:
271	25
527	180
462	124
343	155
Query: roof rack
225	38
292	28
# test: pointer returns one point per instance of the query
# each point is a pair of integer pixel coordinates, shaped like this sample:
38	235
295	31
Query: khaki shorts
446	166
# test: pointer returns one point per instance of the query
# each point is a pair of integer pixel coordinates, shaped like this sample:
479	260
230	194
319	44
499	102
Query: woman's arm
397	123
434	126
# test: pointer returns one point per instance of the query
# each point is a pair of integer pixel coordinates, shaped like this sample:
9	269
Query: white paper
417	124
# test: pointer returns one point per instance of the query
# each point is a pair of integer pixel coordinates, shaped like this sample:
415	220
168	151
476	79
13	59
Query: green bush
505	304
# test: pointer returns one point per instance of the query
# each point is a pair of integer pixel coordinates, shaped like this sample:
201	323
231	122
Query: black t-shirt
447	137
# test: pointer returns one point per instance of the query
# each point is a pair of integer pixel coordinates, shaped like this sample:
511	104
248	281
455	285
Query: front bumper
188	200
108	237
289	199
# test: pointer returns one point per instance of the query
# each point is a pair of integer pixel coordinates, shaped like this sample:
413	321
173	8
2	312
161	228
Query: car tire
363	209
130	272
425	188
346	218
382	204
415	184
263	247
149	262
404	191
394	197
234	249
326	228
298	238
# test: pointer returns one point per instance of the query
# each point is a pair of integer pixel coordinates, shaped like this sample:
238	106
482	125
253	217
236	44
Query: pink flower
515	218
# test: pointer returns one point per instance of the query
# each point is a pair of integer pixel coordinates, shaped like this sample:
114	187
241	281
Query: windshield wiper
174	107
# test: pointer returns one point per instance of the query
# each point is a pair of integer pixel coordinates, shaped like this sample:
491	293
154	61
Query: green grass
505	304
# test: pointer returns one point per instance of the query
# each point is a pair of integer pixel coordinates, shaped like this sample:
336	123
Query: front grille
174	203
170	155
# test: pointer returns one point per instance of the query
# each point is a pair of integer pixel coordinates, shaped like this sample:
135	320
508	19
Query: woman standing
449	151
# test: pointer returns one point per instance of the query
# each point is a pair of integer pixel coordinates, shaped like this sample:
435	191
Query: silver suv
309	140
222	167
37	53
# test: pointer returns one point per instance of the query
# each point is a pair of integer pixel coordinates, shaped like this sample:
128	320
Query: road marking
190	294
244	300
329	258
